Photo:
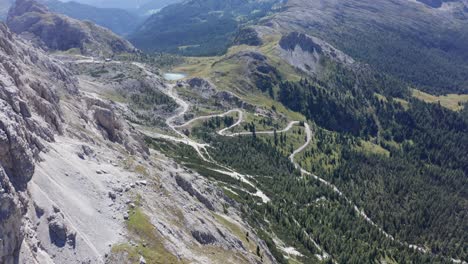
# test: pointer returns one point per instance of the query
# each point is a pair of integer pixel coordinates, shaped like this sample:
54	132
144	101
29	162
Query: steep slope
59	32
29	84
152	7
34	91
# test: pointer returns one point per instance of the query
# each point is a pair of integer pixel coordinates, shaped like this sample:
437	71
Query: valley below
235	132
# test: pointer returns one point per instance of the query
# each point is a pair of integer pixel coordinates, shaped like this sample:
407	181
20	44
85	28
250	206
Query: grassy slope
451	101
150	243
228	75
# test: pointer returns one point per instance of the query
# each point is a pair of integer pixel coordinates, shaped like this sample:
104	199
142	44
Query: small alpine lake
172	76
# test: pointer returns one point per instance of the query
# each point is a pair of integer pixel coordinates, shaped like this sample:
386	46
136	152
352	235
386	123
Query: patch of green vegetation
323	153
371	148
140	169
286	142
236	230
432	57
157	60
188	157
453	102
261	123
405	104
290	214
115	97
381	97
73	51
149	243
228	75
214	123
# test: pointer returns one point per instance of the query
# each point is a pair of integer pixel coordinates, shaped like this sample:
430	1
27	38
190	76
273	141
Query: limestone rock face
29	104
40	99
106	119
305	52
29	115
59	32
11	212
113	127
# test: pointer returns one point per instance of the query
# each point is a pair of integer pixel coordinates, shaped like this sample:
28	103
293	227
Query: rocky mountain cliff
59	32
30	115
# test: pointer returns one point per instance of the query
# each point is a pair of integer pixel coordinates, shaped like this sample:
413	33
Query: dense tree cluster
418	192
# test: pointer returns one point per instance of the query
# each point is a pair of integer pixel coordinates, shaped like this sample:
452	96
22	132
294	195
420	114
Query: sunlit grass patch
451	101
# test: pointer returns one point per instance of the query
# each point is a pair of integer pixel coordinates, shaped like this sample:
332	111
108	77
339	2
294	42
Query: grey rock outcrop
202	86
114	128
203	238
11	212
248	36
30	105
29	115
59	32
60	234
305	52
187	186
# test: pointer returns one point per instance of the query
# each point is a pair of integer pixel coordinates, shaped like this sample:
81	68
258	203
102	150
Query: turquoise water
171	76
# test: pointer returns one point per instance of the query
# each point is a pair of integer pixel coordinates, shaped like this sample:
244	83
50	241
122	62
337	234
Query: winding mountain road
202	151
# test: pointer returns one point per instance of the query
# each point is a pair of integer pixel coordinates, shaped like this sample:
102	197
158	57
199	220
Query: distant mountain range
118	20
59	32
126	4
122	17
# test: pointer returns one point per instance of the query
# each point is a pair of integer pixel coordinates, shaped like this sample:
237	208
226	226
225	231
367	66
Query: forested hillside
198	27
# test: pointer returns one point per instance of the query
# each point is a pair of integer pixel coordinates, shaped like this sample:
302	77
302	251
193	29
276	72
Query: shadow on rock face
57	232
203	238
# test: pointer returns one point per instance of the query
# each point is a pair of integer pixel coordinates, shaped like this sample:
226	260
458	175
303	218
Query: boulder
57	230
